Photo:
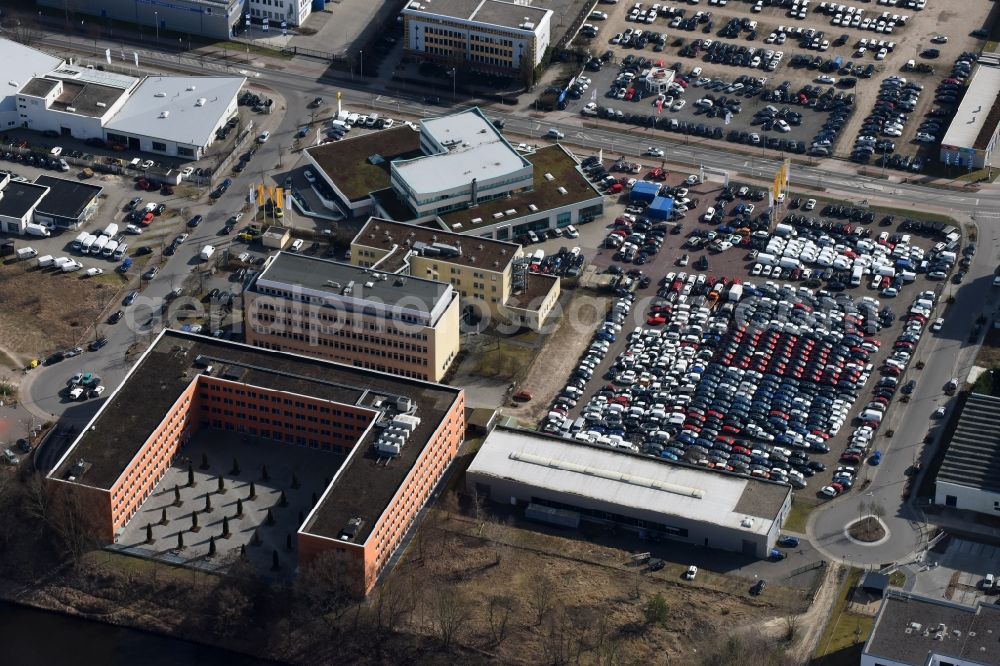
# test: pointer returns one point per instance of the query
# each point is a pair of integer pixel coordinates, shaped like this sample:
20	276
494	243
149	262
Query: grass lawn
798	516
897	579
844	631
504	361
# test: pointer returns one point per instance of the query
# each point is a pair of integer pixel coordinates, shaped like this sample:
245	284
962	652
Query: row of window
368	311
344	346
279	326
279	400
354	323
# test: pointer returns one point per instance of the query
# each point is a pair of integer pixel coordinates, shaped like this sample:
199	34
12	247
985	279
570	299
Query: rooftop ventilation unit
190	88
102	105
71	109
561	190
351	530
549	176
160	94
201	101
164	114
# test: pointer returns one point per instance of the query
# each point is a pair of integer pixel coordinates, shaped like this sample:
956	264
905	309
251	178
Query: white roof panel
971	115
22	63
475	149
186	121
619	479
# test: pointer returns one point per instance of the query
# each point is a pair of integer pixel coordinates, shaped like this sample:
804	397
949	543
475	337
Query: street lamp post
361	69
453	84
156	19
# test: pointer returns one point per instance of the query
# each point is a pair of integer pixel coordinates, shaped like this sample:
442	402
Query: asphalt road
946	356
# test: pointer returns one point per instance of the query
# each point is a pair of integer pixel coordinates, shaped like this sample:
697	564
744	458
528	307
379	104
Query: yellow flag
279	194
270	193
260	194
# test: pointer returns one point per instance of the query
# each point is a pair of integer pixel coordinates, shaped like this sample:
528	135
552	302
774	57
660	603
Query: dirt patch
44	310
573	593
867	529
580	318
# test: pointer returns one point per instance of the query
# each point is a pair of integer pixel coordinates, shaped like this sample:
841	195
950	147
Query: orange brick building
185	383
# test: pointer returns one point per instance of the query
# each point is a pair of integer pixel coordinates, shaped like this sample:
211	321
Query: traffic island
868	530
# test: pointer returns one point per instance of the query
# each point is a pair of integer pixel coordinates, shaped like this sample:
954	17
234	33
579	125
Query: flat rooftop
194	107
86	99
629	480
67	198
347	165
364	487
291	270
471	148
475	252
979	113
537	287
490	12
973	455
19	197
39	87
908	629
544	195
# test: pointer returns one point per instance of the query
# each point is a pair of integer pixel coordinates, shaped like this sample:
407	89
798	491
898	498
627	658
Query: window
160	146
950	500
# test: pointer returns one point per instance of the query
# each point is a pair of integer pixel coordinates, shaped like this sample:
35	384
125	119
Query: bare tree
323	589
59	509
230	610
791	628
451	614
500	608
560	644
539	590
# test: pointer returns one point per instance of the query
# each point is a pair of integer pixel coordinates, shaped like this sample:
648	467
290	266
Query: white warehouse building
565	482
168	115
175	115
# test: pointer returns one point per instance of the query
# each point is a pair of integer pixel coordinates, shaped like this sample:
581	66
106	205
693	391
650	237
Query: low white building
969	476
175	115
465	161
292	12
73	101
21	64
167	115
972	134
18	201
658	79
563	481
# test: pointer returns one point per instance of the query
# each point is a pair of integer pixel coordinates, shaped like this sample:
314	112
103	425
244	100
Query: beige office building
400	324
484	271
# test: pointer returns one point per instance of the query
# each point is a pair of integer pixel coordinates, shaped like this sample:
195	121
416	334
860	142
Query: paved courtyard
300	473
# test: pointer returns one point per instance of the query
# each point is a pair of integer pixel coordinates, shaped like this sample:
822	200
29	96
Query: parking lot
843	41
769	347
681	111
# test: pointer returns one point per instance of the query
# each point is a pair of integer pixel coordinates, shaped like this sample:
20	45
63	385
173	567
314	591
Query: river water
29	636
